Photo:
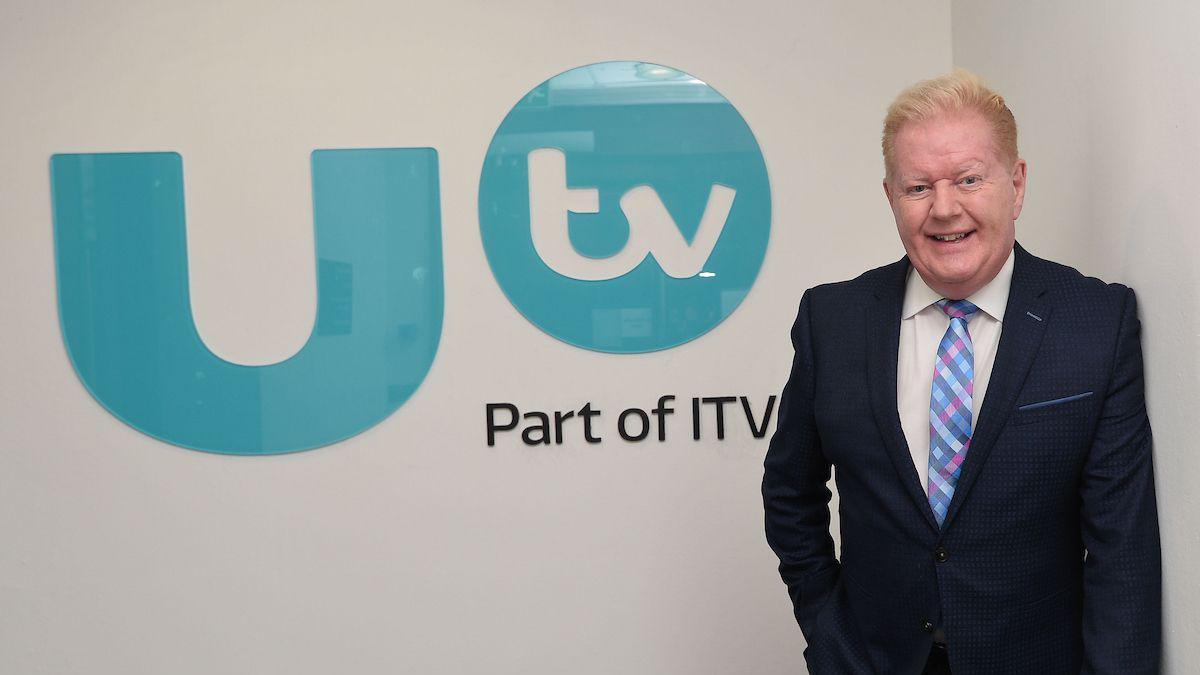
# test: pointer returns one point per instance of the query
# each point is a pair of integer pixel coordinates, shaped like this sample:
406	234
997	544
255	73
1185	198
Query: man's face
955	199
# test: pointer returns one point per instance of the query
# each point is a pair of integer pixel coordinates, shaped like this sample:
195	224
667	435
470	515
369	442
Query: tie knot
957	309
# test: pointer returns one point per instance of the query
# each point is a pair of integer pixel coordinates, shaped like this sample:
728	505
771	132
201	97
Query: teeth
949	237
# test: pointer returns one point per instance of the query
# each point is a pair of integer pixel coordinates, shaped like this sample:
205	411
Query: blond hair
959	91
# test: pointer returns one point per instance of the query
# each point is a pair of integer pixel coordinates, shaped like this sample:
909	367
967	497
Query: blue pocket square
1054	401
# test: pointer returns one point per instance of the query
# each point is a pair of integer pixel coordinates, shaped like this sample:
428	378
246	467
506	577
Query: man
984	411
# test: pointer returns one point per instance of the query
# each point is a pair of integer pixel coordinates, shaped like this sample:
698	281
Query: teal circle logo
624	207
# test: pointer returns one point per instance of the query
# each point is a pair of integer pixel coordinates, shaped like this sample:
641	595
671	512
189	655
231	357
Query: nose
945	201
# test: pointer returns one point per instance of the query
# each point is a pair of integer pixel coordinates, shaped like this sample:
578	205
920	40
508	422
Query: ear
887	190
1018	179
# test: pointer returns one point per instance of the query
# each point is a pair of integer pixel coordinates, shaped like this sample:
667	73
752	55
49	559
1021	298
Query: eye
918	189
971	181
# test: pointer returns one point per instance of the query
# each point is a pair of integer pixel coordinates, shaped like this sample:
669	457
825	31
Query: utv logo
665	266
624	207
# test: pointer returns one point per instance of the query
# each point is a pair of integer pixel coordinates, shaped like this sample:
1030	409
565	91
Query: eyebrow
969	165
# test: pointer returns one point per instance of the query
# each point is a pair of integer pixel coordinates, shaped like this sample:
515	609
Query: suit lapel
1025	320
883	343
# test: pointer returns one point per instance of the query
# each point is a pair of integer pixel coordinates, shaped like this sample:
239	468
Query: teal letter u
126	314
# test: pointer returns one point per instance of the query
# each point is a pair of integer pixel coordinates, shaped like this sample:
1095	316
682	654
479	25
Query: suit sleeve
795	496
1122	576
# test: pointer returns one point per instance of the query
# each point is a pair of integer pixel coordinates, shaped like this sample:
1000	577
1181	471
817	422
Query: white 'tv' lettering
652	230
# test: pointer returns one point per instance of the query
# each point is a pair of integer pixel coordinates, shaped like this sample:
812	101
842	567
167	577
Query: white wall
413	547
1107	95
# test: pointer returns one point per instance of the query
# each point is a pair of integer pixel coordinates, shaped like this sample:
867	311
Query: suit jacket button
927	626
941	555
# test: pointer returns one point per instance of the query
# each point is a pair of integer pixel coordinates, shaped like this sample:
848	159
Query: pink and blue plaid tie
950	406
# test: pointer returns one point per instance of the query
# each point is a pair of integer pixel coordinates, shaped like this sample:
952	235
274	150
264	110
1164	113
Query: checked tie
950	405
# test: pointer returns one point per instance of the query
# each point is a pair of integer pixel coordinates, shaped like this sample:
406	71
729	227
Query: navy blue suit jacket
1048	560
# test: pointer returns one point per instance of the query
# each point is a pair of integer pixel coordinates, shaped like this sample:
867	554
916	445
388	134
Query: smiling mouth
951	238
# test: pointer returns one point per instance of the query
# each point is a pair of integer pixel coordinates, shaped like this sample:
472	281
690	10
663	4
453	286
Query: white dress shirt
922	326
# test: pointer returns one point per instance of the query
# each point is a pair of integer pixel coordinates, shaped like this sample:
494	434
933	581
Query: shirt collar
992	298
